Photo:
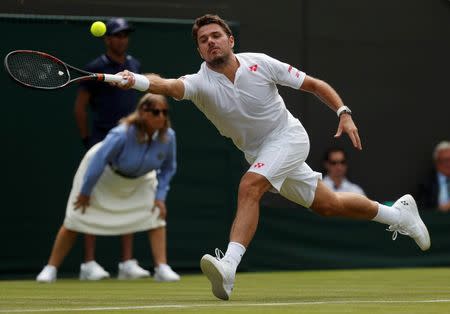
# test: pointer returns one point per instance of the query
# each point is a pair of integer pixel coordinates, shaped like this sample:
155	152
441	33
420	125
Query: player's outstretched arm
330	97
152	83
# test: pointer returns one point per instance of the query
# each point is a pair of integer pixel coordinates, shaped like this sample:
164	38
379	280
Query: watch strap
343	109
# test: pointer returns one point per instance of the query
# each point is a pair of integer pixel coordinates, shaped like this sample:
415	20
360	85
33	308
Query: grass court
410	290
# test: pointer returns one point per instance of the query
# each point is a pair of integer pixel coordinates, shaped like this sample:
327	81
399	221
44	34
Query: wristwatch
343	109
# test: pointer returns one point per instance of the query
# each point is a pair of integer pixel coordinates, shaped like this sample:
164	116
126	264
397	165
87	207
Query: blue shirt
443	196
109	104
121	149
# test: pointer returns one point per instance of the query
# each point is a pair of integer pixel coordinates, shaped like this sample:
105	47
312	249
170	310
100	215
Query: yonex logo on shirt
253	68
297	74
258	165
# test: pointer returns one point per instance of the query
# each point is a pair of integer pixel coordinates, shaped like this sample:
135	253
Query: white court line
185	306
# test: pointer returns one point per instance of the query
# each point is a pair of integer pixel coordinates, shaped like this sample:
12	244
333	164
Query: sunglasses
336	162
156	112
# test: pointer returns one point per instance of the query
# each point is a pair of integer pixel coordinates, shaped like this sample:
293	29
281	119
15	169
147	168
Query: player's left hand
347	125
82	202
162	208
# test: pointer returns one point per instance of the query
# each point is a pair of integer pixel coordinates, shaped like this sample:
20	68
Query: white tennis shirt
250	109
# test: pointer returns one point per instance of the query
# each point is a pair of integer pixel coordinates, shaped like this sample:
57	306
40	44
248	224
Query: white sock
234	253
387	215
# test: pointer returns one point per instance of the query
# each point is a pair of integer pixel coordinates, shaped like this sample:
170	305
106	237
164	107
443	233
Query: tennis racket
40	70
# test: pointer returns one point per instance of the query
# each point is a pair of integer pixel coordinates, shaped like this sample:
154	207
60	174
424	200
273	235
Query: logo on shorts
258	165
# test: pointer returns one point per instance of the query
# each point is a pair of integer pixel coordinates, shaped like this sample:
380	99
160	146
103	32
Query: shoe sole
421	225
165	280
93	279
208	267
45	281
124	277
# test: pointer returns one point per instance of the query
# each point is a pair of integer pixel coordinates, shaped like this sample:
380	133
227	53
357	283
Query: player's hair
209	19
135	118
441	146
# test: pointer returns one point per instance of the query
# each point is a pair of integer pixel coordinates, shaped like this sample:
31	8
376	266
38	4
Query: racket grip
113	78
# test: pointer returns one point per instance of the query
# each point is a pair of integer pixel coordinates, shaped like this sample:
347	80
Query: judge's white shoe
410	223
220	273
47	274
130	269
92	271
164	273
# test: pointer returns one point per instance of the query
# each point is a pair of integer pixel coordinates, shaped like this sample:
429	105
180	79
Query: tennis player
238	93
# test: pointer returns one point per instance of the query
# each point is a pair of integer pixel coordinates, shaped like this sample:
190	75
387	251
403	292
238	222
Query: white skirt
118	205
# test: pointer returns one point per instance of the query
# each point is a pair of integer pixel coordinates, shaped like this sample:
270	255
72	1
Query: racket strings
37	70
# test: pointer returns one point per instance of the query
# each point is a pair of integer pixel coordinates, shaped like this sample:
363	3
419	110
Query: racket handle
141	81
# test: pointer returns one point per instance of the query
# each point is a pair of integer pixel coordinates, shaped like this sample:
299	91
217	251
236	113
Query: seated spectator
434	193
335	164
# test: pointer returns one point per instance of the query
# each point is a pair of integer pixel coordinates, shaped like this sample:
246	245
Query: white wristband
141	82
343	109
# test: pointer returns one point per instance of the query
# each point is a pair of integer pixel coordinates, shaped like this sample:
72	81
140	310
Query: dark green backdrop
42	150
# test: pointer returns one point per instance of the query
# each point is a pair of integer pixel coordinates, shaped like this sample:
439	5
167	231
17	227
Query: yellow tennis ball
98	28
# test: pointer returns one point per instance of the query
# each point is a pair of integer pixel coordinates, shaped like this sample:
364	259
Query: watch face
345	111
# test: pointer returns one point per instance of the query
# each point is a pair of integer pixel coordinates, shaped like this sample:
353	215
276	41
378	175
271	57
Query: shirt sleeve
284	74
167	171
111	147
190	86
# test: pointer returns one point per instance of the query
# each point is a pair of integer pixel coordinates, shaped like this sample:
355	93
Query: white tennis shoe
410	223
164	273
47	274
220	273
92	271
130	269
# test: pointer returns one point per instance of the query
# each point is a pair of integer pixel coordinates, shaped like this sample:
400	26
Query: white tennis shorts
281	160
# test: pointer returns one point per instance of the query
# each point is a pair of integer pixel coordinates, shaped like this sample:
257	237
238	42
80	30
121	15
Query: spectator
335	164
434	193
114	190
108	105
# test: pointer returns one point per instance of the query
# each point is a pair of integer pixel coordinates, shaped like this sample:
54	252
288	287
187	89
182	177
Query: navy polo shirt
109	104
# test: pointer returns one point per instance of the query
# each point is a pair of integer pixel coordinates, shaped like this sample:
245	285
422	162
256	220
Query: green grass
425	290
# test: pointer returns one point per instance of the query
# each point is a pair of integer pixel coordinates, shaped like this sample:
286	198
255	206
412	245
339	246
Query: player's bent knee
252	187
247	190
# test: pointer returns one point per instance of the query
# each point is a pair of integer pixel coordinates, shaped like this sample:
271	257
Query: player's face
214	46
118	43
155	115
443	162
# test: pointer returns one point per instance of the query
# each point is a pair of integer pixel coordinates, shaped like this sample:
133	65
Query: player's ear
231	40
200	53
